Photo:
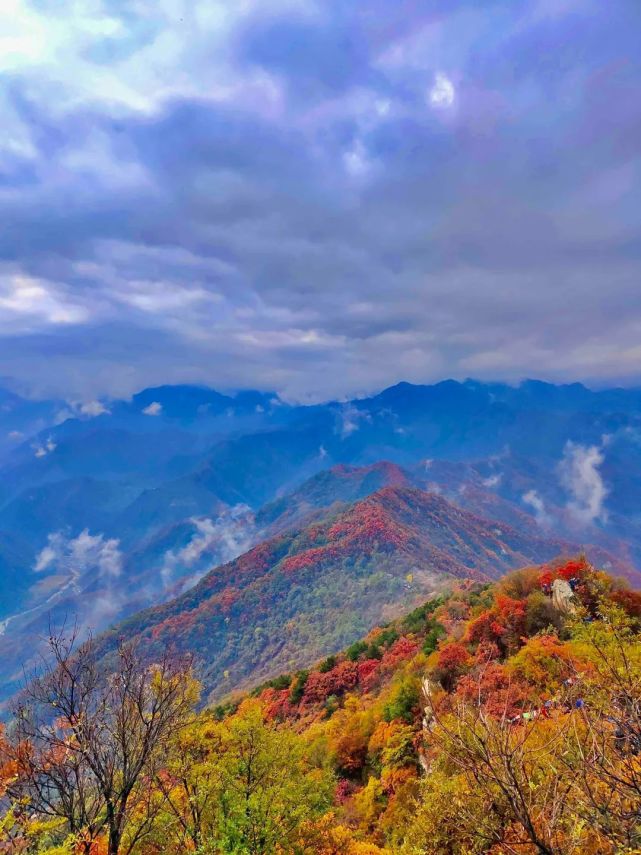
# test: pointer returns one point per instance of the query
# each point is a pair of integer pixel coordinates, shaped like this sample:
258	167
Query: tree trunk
113	847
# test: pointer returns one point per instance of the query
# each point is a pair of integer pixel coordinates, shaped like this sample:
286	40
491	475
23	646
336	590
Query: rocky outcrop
563	597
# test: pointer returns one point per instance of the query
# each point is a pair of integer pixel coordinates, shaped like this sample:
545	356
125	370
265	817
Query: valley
106	515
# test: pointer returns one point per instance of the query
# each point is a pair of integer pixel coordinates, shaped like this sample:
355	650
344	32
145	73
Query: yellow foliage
544	662
327	836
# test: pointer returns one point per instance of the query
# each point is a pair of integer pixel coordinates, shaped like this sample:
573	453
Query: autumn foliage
484	721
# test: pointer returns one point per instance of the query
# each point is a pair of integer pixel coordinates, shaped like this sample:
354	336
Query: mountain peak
318	584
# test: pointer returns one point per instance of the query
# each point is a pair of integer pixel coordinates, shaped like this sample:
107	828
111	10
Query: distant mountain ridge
310	590
179	479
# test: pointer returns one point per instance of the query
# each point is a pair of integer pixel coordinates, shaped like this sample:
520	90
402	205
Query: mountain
311	590
432	723
180	479
423	735
21	418
249	469
340	483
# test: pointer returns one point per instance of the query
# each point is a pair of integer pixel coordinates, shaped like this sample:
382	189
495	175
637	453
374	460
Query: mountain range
318	586
183	502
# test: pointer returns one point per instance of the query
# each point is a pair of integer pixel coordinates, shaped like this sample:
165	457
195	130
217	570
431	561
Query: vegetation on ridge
499	718
315	589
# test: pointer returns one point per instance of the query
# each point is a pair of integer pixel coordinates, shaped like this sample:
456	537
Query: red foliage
487	651
366	523
546	578
344	790
481	629
277	704
260	556
369	674
577	572
360	529
494	690
630	602
253	563
503	624
511	615
453	656
8	765
576	568
451	662
573	569
402	649
177	625
308	558
335	682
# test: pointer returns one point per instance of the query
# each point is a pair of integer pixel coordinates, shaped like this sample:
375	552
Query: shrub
327	664
404	702
430	642
298	687
355	650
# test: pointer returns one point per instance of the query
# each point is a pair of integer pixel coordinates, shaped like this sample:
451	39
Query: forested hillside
316	587
495	718
320	427
112	506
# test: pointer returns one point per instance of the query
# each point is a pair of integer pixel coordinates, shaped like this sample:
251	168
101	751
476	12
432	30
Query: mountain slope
434	723
177	479
308	592
341	483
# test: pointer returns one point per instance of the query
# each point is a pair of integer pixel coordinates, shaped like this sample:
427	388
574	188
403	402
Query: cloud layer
580	475
320	198
217	541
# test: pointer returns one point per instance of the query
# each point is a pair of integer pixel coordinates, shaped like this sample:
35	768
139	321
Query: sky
318	198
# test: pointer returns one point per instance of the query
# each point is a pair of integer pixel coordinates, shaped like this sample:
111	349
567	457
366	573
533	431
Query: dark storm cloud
321	199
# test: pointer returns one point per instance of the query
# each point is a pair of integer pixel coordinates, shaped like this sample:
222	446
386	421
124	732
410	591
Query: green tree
266	787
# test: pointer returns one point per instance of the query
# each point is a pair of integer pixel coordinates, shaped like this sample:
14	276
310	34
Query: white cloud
58	42
356	160
45	448
81	554
81	409
178	61
87	550
49	553
579	473
492	480
322	452
27	303
93	409
62	415
15	435
154	409
84	559
156	297
442	93
350	419
219	540
535	501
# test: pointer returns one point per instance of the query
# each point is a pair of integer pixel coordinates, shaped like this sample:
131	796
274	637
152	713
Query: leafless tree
507	764
90	739
605	766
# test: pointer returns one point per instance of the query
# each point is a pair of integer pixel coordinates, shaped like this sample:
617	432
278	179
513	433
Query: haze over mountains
314	588
115	506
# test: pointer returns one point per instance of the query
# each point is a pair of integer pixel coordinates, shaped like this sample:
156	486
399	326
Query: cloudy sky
320	198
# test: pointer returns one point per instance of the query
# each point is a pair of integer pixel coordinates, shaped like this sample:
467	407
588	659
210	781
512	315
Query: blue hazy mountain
124	503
